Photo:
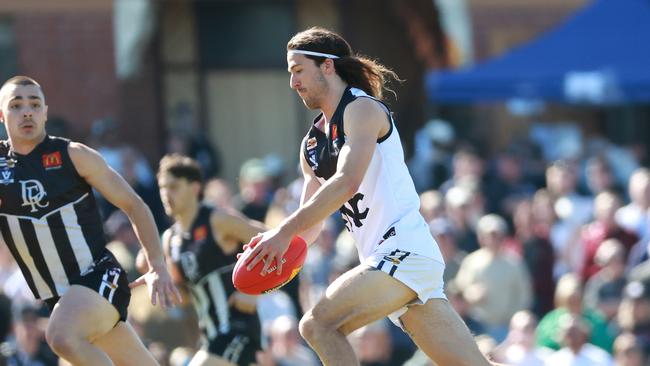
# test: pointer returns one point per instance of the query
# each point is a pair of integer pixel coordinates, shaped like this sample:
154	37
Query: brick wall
71	55
68	47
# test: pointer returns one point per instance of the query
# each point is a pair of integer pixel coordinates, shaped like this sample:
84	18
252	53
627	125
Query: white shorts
421	274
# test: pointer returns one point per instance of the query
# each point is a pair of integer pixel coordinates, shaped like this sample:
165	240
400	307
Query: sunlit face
306	79
23	111
177	194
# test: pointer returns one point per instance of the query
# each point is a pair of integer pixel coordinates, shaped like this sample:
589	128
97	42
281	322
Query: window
251	34
8	61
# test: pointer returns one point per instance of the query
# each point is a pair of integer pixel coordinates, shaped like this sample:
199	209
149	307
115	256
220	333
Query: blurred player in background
201	246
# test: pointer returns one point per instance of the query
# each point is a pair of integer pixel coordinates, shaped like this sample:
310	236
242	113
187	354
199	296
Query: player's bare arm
231	228
92	167
309	188
365	122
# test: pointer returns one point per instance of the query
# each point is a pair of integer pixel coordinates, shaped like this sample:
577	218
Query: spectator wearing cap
574	334
496	285
463	207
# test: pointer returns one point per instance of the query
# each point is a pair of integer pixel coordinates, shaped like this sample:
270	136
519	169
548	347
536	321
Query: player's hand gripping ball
253	283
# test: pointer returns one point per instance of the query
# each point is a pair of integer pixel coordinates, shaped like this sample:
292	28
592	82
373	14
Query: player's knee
62	342
309	326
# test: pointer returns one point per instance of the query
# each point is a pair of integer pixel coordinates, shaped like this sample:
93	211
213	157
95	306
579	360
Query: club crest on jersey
52	160
6	176
335	132
33	194
335	139
7	171
311	143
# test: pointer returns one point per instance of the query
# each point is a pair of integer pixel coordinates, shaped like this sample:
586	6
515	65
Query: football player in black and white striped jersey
50	222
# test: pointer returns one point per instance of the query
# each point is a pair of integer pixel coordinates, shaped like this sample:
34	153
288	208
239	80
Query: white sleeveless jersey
384	214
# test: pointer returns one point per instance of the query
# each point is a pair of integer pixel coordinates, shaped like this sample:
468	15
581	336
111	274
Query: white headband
312	53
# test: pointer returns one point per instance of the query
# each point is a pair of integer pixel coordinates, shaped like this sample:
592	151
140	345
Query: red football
253	283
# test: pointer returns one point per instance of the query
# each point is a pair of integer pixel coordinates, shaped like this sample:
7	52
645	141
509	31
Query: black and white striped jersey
207	271
48	216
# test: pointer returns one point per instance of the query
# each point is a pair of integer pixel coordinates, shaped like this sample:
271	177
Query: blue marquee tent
600	55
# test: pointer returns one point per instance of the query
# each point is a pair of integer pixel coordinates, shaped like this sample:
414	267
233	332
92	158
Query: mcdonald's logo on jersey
200	233
52	160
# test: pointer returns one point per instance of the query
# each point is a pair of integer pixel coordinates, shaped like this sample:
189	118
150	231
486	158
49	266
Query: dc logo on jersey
33	194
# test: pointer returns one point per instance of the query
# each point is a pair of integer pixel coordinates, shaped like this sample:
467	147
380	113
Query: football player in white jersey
352	160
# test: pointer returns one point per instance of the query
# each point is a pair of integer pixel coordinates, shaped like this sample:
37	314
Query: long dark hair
356	70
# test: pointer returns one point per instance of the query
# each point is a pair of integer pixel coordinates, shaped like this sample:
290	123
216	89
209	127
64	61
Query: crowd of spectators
546	252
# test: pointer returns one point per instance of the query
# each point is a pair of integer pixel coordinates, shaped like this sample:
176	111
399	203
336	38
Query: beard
310	103
320	88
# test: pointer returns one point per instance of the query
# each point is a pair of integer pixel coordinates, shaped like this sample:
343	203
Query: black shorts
107	278
237	348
